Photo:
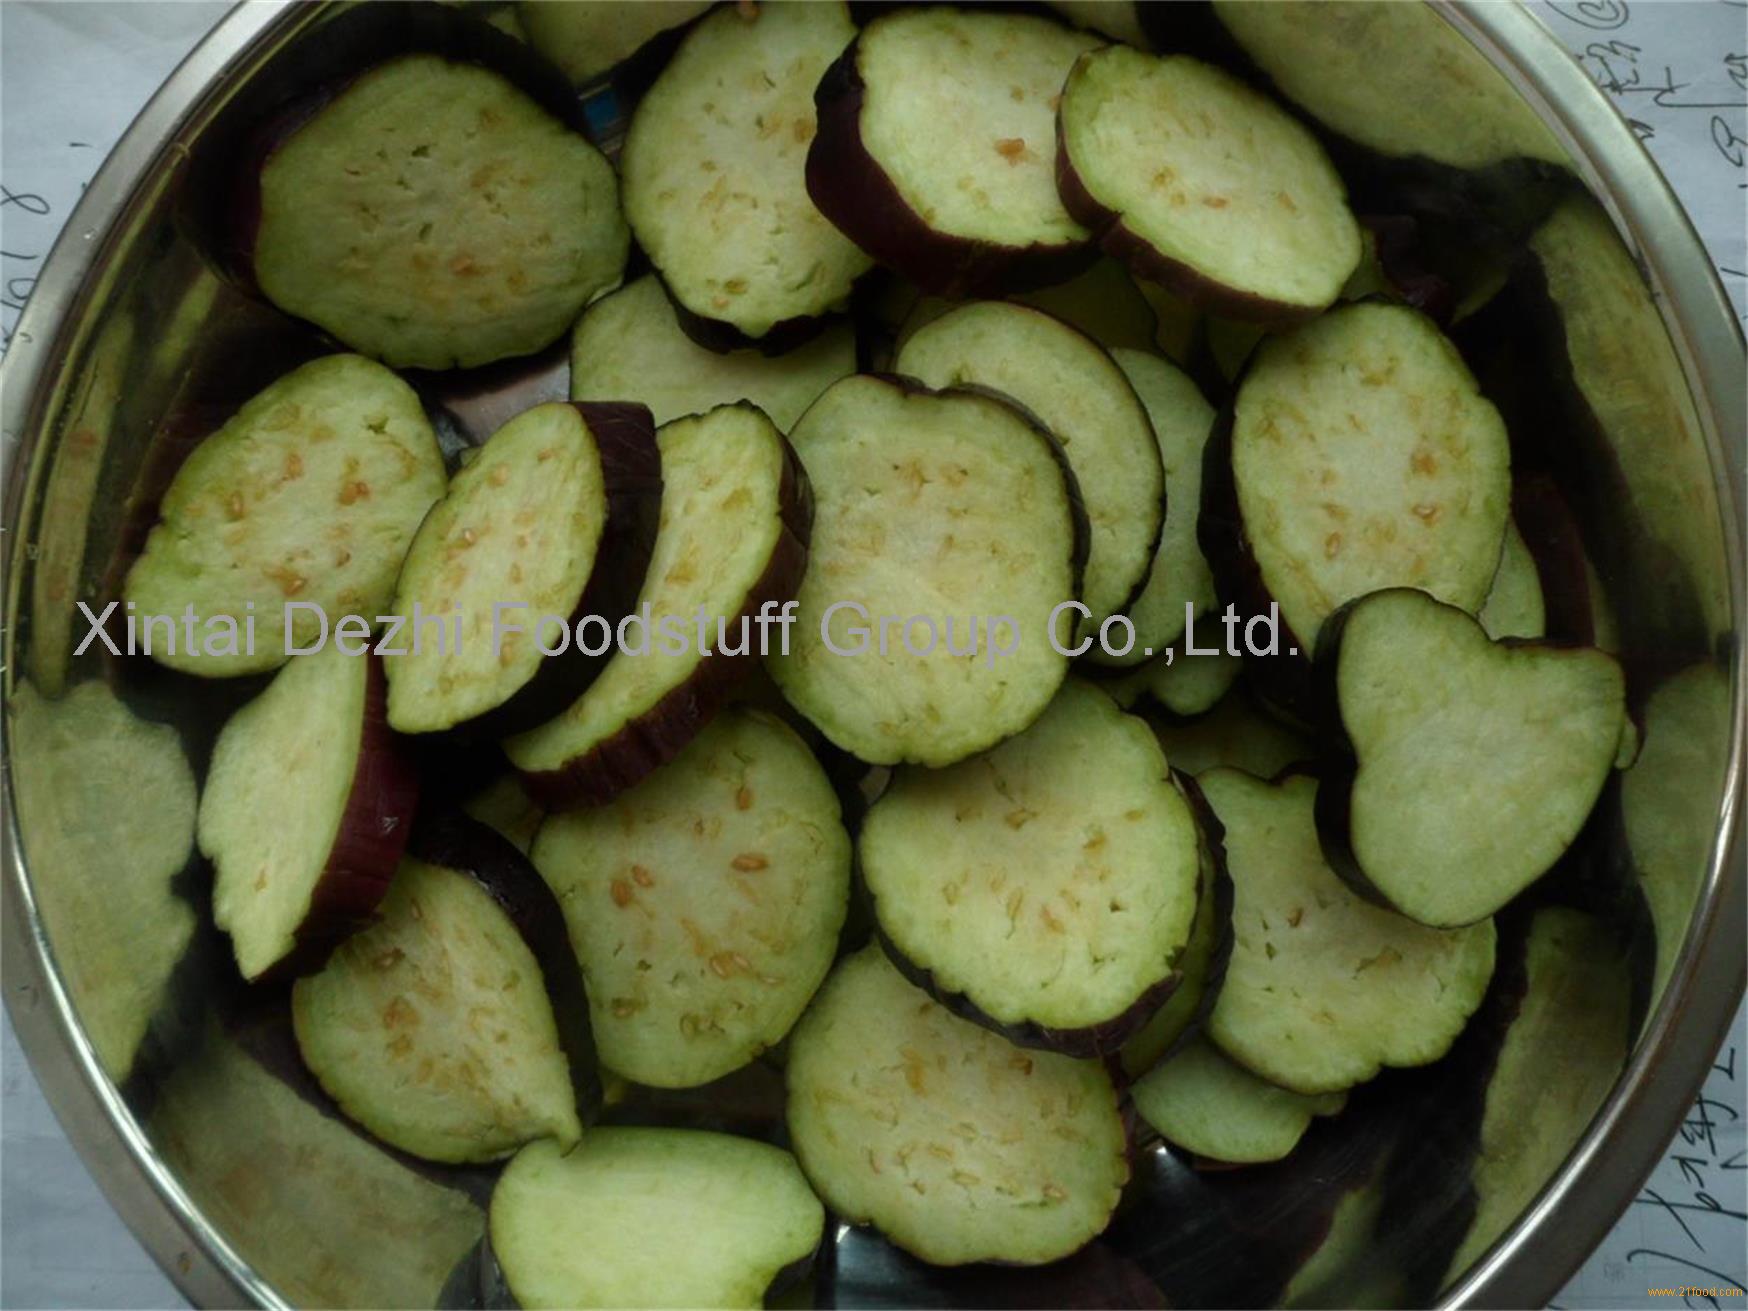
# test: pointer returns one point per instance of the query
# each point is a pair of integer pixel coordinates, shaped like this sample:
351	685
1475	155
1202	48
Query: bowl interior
163	339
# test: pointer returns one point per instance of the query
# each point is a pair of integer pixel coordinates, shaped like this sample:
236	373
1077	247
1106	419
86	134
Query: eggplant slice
1236	733
954	1143
556	513
1395	79
704	904
1185	686
440	1028
1046	888
651	1218
1323	988
1466	787
310	494
1515	606
105	808
1204	186
714	168
1565	1045
1179	582
949	505
1076	390
629	346
305	812
432	215
733	540
589	39
935	148
1218	1111
1360	455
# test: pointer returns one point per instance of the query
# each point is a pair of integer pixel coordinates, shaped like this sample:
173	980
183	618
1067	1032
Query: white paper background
72	76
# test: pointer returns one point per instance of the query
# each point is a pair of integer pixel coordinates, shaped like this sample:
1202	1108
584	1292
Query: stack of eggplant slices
956	315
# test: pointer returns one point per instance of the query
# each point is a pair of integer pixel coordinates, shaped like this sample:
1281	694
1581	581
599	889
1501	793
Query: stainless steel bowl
245	1193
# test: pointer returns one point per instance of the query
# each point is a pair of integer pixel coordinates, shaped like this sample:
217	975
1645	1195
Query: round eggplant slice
99	789
1203	185
1514	606
555	516
305	812
432	215
950	507
731	547
1360	455
1460	790
439	1027
651	1218
704	904
935	148
953	1142
1179	582
1323	988
1198	1100
629	345
589	39
300	507
714	169
1077	391
1046	888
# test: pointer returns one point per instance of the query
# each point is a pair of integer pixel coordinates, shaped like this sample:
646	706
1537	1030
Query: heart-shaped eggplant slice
1468	766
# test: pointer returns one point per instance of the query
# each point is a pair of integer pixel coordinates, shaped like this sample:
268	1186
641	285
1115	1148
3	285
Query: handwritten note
1678	72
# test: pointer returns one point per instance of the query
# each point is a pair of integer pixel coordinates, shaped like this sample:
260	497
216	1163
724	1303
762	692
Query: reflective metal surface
219	1155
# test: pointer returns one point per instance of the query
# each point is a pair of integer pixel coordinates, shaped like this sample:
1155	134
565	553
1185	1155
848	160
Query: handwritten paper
71	79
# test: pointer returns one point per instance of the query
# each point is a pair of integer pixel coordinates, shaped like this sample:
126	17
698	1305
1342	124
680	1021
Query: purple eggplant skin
1146	262
649	741
1282	682
631	468
1092	1042
1102	1041
721	337
373	831
848	186
1213	840
457	842
1404	261
1550	531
